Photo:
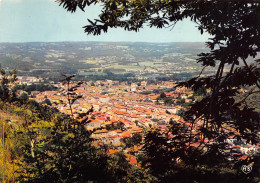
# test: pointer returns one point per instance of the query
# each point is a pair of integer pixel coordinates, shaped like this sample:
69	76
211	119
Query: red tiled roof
112	151
126	134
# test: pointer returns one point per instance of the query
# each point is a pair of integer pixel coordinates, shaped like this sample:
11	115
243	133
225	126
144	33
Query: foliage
47	102
230	25
181	113
35	87
113	126
157	91
136	139
168	101
48	146
234	28
23	97
177	156
7	83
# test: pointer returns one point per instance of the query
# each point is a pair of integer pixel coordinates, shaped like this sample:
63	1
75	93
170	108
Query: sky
46	21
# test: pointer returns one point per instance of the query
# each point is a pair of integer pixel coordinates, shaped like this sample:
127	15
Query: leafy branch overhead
235	37
234	45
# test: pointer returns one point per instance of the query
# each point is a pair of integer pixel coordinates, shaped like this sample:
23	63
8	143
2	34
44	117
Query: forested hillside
40	144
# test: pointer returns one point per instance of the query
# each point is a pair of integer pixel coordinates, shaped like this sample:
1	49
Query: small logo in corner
246	169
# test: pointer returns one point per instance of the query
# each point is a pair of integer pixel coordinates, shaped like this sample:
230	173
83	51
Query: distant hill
141	59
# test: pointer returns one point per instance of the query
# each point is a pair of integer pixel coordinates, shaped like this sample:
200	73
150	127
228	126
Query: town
123	110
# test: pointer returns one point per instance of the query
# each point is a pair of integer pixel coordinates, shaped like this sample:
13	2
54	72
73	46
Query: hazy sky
45	20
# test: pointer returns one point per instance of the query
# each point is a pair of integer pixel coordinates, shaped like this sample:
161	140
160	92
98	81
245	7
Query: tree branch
244	60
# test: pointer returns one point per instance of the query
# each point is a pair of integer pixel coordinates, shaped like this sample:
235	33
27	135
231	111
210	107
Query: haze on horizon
46	21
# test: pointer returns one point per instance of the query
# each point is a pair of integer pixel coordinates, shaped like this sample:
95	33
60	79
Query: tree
132	141
181	112
24	97
162	95
235	40
235	29
8	81
44	145
47	102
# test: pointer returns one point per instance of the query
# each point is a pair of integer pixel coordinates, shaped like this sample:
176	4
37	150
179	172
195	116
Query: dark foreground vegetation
44	145
40	144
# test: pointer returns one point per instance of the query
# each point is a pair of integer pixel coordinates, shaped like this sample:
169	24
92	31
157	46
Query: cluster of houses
28	79
120	111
